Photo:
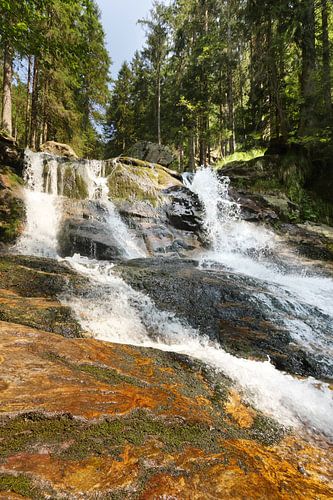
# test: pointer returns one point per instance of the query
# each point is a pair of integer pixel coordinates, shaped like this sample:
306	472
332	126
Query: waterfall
48	179
43	208
298	300
112	311
223	224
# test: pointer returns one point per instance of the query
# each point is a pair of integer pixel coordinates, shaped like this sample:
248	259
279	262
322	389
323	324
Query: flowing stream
112	311
305	298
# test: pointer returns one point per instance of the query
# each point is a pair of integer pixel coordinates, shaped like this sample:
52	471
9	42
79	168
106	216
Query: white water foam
302	302
43	208
44	177
99	190
223	224
114	312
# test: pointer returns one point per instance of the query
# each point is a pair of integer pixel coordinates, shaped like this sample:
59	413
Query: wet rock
59	149
254	208
90	238
83	418
223	306
184	210
151	152
12	208
314	241
90	419
29	290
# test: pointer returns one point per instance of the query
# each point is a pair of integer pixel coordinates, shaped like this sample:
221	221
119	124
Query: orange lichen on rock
48	371
243	470
84	418
242	414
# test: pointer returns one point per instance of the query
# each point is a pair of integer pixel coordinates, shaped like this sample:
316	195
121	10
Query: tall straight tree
326	61
307	121
156	51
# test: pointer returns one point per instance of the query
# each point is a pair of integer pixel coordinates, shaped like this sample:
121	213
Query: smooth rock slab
222	305
83	418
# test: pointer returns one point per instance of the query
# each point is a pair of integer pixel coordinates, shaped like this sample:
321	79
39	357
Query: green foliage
62	43
235	75
242	156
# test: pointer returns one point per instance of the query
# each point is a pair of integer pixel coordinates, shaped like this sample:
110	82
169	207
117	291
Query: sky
123	35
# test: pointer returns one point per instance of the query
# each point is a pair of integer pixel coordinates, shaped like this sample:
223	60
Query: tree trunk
308	107
230	93
191	152
326	76
28	104
7	123
159	105
44	128
34	106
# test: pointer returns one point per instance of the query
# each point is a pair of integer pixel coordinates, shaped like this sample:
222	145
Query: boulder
136	180
151	152
90	238
59	149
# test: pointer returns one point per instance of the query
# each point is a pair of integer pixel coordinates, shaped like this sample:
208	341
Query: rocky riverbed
84	418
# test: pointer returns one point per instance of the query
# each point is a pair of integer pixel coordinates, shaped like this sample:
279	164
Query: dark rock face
219	304
184	210
29	287
11	155
151	152
313	241
89	238
254	208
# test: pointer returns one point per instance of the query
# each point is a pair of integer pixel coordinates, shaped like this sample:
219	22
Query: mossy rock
12	208
29	288
132	179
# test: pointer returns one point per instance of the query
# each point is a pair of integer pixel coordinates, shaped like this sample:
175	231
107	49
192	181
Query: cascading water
43	207
302	302
228	234
45	178
112	311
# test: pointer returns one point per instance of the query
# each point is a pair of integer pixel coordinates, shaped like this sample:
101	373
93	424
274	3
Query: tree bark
308	107
159	105
28	103
7	120
191	152
326	76
34	105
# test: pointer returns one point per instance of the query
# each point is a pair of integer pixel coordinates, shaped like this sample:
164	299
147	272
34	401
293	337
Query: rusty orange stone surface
41	372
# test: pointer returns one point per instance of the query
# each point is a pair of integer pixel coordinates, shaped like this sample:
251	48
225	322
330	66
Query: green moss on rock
110	436
74	185
138	180
12	208
21	485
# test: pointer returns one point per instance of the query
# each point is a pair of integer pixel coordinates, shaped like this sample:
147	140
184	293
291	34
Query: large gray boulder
151	152
59	149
